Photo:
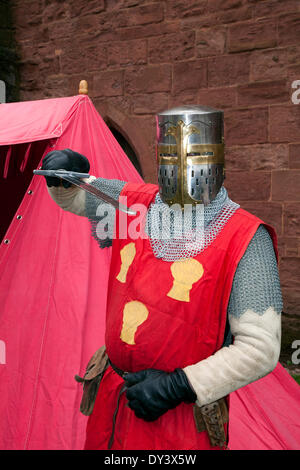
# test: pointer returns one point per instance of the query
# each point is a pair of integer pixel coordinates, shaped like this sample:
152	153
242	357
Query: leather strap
120	372
211	418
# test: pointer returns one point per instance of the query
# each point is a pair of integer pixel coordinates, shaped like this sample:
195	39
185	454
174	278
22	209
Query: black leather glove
64	160
152	392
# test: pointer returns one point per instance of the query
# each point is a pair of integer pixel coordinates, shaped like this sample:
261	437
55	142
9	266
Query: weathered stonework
8	56
142	56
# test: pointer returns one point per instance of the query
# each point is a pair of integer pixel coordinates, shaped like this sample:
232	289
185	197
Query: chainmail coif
186	236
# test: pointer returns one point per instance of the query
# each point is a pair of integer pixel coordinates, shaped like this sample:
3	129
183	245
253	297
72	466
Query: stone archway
137	134
126	147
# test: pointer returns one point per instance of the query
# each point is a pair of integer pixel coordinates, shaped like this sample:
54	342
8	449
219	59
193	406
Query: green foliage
297	378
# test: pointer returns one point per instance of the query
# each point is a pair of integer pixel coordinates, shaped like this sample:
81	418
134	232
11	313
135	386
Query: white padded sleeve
254	353
70	199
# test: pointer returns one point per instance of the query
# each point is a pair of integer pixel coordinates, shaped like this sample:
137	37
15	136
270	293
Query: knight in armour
193	306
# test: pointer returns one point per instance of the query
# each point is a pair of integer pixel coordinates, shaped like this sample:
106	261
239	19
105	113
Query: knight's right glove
152	392
64	160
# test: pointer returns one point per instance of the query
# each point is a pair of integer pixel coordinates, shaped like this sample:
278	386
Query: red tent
53	274
53	292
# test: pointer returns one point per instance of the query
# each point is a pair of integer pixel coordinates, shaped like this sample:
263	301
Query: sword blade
99	194
72	178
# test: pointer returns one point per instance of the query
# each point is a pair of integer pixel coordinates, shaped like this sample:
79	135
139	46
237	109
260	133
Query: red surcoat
163	315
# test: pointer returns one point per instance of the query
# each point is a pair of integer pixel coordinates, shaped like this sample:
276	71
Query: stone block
291	219
274	63
152	103
210	41
285	185
154	78
171	47
268	156
250	35
288	246
56	86
182	9
294	156
293	73
108	83
291	306
141	15
60	29
237	158
263	93
248	185
121	53
184	97
144	31
217	5
257	157
56	11
285	123
27	13
82	7
234	15
274	8
87	24
228	70
78	56
218	17
268	64
289	29
289	272
246	126
269	212
120	4
189	75
219	98
144	14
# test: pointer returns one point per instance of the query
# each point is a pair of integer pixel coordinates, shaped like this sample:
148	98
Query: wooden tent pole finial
83	88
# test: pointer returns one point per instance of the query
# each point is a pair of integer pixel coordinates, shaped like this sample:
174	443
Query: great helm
190	154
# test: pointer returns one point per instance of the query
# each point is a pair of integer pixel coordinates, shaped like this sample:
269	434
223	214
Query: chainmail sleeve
256	284
254	317
100	214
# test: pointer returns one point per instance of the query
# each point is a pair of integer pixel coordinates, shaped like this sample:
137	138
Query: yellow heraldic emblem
134	314
127	256
185	274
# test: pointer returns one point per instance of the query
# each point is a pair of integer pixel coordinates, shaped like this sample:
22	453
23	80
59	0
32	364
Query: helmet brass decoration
190	154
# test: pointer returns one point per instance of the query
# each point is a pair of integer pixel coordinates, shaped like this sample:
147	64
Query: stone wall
140	57
8	56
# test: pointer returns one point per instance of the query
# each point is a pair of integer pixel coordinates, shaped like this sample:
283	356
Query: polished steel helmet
190	154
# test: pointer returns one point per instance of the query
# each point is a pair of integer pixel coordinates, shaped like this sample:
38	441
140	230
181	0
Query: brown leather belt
210	418
120	372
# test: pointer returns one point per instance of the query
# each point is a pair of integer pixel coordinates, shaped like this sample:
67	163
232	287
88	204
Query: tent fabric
16	165
28	121
53	285
265	415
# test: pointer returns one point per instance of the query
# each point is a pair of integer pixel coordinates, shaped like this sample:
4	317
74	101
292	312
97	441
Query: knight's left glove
152	392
